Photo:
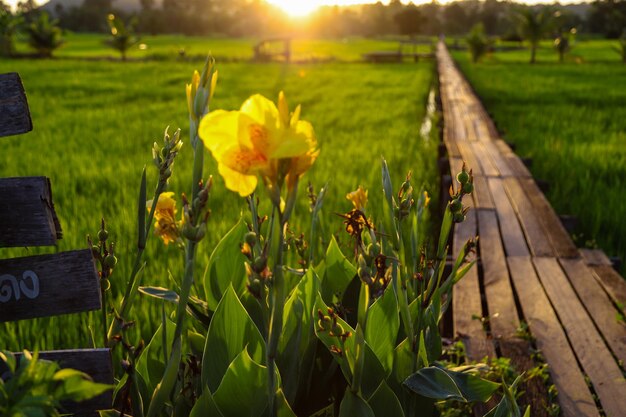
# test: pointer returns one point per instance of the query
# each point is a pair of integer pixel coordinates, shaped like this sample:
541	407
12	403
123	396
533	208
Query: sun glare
298	8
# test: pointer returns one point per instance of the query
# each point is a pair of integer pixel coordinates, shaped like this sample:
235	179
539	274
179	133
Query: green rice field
570	119
95	122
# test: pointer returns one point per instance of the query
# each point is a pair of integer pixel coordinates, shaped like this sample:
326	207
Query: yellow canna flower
260	139
358	198
426	199
191	90
166	226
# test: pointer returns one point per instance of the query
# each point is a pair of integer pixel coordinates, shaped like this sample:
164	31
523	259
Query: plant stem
277	296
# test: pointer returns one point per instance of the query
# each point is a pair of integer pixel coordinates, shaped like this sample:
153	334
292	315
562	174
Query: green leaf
205	406
160	293
403	362
352	406
164	388
338	273
422	355
382	327
385	403
151	364
226	266
243	390
297	343
442	384
231	331
283	409
141	212
434	382
196	342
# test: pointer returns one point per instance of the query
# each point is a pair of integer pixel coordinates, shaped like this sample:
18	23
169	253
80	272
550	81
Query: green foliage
44	35
477	42
9	24
35	387
620	48
123	35
533	25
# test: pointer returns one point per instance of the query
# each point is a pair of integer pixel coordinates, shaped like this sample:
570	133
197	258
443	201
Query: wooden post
14	113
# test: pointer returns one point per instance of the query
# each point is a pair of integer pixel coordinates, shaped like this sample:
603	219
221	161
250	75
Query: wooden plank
94	362
503	316
466	299
27	216
560	239
48	285
481	194
598	304
512	235
469	157
593	354
499	160
488	168
595	257
574	397
14	113
536	237
612	282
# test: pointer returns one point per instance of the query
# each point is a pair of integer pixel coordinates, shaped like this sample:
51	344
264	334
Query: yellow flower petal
262	111
238	182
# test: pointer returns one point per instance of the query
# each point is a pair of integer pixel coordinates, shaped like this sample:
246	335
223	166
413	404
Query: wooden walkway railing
529	269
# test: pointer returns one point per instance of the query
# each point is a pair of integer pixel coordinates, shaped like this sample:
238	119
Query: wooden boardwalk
530	270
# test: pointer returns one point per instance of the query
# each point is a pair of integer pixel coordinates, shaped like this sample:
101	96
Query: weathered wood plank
499	160
94	362
466	299
503	316
482	196
598	305
612	282
574	397
488	167
560	239
470	157
595	257
593	354
14	113
27	216
512	235
536	237
48	285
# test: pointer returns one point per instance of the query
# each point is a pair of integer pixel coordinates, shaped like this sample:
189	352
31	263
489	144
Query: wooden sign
27	216
48	285
94	362
14	113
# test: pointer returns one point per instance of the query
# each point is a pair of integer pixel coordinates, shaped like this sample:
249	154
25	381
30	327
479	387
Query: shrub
44	35
477	42
9	24
123	35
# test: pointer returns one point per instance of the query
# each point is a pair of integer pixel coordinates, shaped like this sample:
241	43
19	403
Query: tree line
257	18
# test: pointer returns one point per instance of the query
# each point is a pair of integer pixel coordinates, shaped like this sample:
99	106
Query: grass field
571	119
95	121
170	46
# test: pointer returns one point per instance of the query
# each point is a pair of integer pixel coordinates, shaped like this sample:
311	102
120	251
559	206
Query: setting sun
301	8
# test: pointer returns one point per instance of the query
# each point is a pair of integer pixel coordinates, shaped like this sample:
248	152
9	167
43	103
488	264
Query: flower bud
110	261
456	205
103	235
459	217
462	177
373	250
259	264
250	238
468	188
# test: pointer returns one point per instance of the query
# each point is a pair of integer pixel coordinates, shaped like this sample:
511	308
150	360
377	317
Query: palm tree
122	35
533	25
44	35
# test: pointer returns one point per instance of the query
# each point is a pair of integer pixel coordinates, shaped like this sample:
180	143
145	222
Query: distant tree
409	21
620	48
8	27
607	17
456	20
533	25
563	44
431	19
44	35
123	35
477	42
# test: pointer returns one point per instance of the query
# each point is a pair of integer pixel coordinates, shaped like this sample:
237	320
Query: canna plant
279	325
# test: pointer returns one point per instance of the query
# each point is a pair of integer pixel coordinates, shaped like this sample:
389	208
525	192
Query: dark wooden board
27	216
94	362
574	397
560	239
598	304
595	257
503	315
466	299
612	282
48	285
14	113
536	237
593	354
512	235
